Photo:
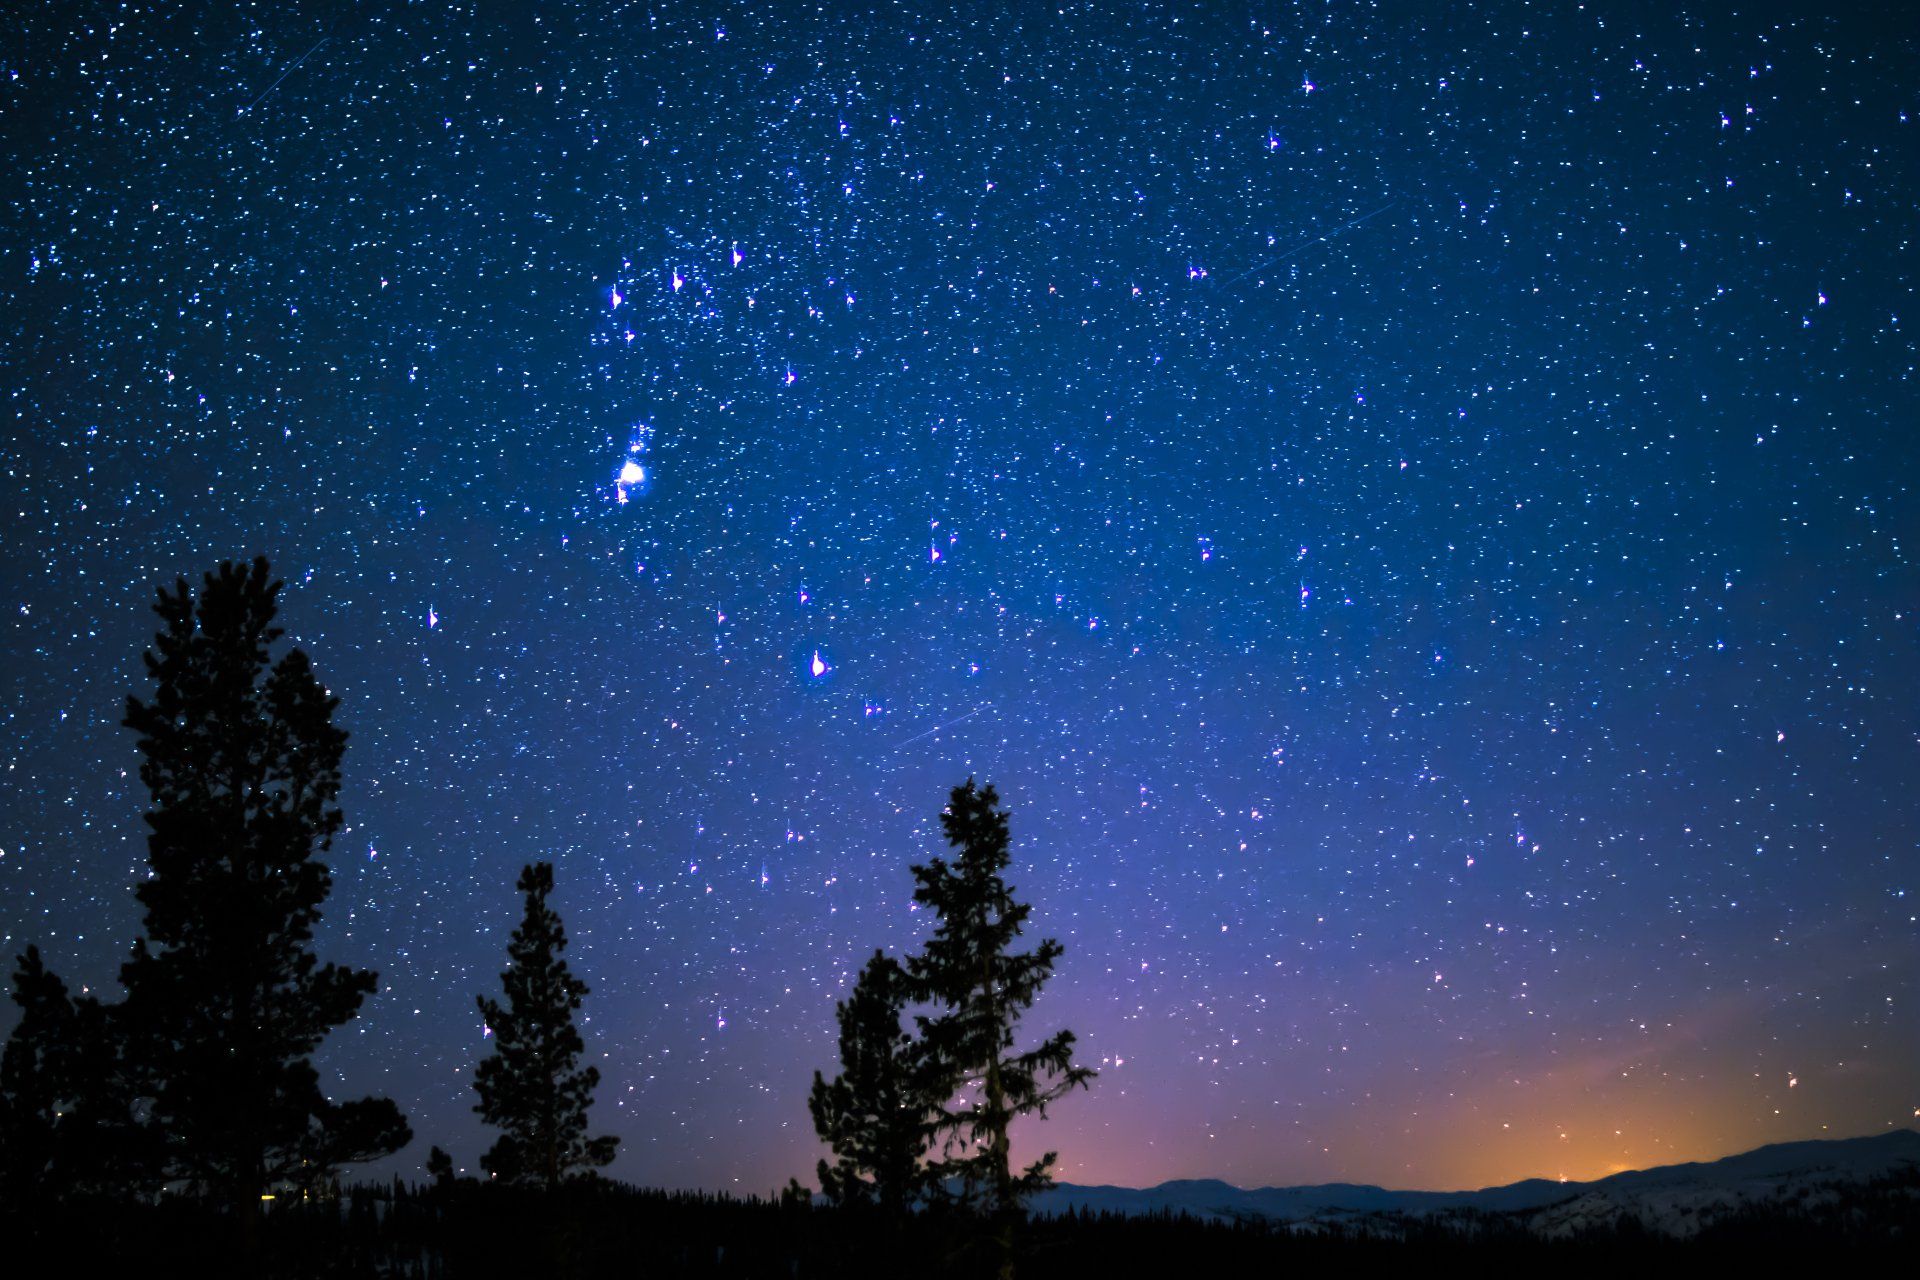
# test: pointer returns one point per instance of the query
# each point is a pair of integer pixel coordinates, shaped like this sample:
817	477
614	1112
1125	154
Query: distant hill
1673	1199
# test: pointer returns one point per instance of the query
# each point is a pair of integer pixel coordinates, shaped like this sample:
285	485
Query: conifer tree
226	1001
66	1118
36	1083
533	1087
978	987
876	1114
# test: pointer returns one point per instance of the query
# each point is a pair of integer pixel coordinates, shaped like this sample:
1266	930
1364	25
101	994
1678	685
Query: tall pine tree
978	987
533	1087
226	1001
876	1114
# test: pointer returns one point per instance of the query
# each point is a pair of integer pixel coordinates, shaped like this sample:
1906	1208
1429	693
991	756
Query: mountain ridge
1674	1198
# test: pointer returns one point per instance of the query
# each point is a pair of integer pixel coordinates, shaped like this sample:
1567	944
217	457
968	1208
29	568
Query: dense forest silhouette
182	1128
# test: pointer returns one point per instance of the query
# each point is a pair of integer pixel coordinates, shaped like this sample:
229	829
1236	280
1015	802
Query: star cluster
1411	505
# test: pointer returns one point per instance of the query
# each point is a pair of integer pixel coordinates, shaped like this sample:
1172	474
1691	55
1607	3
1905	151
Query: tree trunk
997	1144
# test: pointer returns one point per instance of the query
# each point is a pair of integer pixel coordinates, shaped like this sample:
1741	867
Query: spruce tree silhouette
876	1114
978	988
226	1001
532	1088
36	1084
66	1118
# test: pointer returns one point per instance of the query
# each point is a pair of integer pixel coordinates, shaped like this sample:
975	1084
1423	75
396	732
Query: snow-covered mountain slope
1673	1199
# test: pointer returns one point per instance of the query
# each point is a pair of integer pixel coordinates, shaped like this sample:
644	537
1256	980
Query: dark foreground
596	1230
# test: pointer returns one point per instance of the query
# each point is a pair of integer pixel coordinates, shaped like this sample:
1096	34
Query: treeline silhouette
468	1230
182	1129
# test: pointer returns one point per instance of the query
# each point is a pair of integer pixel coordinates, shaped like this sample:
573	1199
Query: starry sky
1412	505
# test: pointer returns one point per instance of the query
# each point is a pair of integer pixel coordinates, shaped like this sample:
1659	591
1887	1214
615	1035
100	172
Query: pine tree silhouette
978	988
876	1114
226	1001
66	1114
36	1083
532	1087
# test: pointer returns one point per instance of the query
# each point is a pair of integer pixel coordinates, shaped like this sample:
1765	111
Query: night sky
1413	505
